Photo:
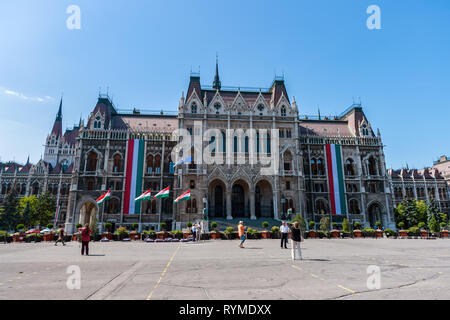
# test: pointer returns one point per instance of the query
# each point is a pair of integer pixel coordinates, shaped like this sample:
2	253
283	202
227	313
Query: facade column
229	216
252	205
275	204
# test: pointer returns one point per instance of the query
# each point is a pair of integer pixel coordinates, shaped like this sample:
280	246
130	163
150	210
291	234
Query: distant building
443	166
425	184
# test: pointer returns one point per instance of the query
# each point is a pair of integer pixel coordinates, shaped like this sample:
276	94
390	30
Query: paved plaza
218	269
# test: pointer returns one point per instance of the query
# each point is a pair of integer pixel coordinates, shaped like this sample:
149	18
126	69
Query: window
352	188
372	166
149	164
117	163
191	206
157	164
193	108
35	188
321	207
314	167
217	107
319	187
288	185
349	167
192	184
92	161
320	167
353	207
260	109
281	132
112	206
283	111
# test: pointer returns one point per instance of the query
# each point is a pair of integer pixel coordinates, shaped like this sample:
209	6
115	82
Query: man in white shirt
284	229
194	232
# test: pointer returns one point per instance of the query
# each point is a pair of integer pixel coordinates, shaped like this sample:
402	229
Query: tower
216	84
53	142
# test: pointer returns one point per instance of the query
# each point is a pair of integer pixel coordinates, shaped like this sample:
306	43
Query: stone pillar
252	205
275	204
229	216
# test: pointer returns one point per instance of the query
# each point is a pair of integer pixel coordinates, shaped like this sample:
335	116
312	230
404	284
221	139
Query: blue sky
144	51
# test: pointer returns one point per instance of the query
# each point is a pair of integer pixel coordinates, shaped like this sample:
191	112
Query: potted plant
357	229
335	233
163	234
275	232
134	234
413	232
379	231
312	233
265	233
423	230
214	234
177	234
121	233
402	232
346	229
77	235
390	233
229	233
433	225
444	232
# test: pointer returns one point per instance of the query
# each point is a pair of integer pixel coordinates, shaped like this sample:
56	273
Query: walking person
85	238
199	232
296	239
284	229
241	231
194	232
60	236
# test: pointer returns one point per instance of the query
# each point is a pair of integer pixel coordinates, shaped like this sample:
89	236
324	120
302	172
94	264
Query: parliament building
326	165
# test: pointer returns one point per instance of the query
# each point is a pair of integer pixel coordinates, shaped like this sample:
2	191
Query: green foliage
401	224
93	225
433	224
50	225
176	232
163	226
275	229
389	232
45	208
122	231
229	230
108	226
413	231
357	225
378	224
411	212
433	211
421	225
325	223
311	225
265	224
213	225
443	225
134	226
9	217
346	226
78	225
301	222
189	224
334	225
368	230
27	207
20	227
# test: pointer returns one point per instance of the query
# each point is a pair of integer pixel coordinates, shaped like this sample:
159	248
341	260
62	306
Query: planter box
275	235
187	235
214	235
379	234
335	234
49	237
357	234
135	236
444	234
162	235
313	234
265	235
403	234
107	236
18	238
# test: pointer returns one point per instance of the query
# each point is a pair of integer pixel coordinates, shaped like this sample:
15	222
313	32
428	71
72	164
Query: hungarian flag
164	193
336	179
184	196
133	176
104	197
145	196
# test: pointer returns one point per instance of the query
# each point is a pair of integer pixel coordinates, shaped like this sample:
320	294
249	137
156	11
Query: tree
433	211
421	211
30	201
26	217
302	223
45	208
325	223
433	224
10	206
93	225
345	226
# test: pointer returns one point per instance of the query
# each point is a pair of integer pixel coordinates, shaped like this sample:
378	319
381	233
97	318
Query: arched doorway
239	199
217	203
374	213
263	200
87	212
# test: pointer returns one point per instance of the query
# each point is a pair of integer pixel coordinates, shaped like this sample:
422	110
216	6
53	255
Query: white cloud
24	97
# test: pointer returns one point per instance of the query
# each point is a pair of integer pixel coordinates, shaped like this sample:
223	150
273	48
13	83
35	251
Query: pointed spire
319	113
28	160
59	115
216	84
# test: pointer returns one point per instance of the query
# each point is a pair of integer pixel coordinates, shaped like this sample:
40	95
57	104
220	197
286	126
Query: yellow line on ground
163	273
1	284
295	267
440	272
346	289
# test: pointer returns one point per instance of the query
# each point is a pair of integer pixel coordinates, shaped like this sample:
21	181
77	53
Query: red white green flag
336	179
133	176
183	197
164	193
104	197
145	196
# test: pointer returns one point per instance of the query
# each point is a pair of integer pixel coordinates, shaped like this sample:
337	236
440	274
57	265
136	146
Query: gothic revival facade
80	164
